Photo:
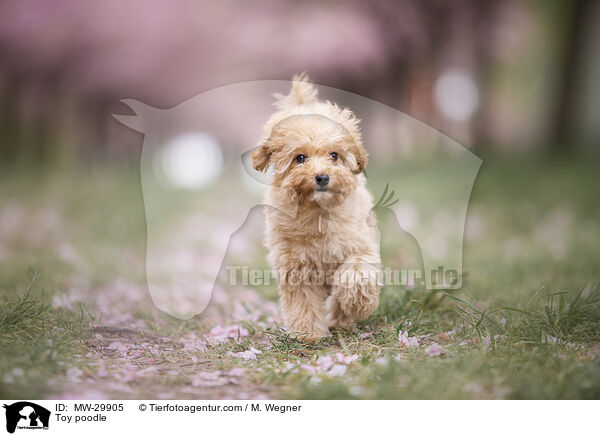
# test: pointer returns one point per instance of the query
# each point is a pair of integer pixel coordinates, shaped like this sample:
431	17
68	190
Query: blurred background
513	81
497	76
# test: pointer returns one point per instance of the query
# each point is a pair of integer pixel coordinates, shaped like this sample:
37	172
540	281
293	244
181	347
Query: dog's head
314	147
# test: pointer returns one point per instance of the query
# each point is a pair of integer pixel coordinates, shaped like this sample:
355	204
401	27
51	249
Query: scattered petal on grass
102	372
216	378
192	343
74	375
446	335
83	395
221	334
119	387
547	339
407	341
118	346
434	350
329	365
250	354
236	372
211	376
337	370
346	360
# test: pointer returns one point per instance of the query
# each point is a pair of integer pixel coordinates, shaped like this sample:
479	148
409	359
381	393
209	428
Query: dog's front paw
356	289
309	331
336	318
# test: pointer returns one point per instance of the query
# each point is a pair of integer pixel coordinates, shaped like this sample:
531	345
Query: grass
37	341
526	323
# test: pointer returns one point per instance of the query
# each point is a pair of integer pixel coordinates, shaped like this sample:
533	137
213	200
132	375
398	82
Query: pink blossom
329	365
119	387
211	376
325	362
446	335
434	350
216	378
547	339
74	375
342	358
102	372
309	368
337	370
83	395
221	334
407	341
117	346
192	343
128	373
250	354
236	372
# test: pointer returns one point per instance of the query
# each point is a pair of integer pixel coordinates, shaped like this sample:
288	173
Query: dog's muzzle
322	181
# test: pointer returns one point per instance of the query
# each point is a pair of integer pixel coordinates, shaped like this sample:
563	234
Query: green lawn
76	319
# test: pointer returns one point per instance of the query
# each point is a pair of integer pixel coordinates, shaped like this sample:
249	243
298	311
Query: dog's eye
334	156
300	158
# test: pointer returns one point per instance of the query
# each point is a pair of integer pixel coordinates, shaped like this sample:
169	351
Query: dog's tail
303	92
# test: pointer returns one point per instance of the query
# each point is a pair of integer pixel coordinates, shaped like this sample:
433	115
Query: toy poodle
320	230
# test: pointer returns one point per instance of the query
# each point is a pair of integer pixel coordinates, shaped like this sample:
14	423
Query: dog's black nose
322	180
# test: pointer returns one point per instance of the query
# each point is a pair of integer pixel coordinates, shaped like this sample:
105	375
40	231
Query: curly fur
312	233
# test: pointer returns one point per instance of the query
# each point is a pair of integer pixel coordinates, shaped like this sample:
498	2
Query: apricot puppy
319	229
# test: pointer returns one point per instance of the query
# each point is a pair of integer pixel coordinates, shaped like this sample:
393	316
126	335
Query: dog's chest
321	238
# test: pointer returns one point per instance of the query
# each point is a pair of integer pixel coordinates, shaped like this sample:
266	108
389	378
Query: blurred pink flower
250	354
330	365
434	350
216	378
221	334
446	335
342	358
337	370
83	395
192	343
74	375
407	341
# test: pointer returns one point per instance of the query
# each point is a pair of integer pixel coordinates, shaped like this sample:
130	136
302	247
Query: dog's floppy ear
361	156
261	156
